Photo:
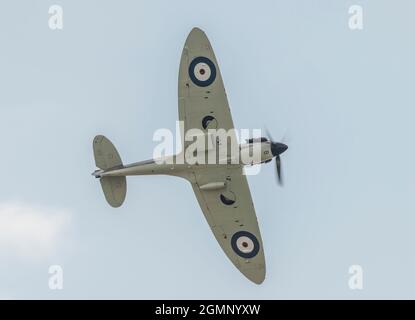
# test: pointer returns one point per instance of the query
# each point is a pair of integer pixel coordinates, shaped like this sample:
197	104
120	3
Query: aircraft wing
229	210
231	216
202	98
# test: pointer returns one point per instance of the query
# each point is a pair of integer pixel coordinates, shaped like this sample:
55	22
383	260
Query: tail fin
106	157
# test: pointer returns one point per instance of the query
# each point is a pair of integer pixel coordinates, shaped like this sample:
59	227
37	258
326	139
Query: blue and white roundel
202	71
245	244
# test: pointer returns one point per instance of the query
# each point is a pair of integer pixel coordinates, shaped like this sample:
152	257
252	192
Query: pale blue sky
345	97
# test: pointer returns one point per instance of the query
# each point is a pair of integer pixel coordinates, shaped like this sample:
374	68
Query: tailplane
107	157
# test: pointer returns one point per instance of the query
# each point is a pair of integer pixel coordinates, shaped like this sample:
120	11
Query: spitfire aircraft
221	189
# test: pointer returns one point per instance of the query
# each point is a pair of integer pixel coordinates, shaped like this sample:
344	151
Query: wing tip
196	30
257	276
196	33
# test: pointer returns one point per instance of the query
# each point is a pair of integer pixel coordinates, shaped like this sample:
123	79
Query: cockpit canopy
252	140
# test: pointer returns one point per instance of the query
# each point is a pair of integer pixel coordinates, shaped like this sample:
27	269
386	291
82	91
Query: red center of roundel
244	244
202	71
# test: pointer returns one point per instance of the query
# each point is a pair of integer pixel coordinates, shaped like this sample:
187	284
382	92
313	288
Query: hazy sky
345	99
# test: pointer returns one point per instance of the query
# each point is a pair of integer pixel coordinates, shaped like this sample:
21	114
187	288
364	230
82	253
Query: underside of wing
221	190
231	216
202	98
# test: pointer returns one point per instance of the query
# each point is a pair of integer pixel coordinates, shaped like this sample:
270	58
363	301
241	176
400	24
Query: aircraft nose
278	148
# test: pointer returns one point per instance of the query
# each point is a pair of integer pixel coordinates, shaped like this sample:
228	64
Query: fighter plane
221	189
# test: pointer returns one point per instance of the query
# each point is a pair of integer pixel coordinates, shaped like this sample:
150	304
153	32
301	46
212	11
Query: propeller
277	148
278	170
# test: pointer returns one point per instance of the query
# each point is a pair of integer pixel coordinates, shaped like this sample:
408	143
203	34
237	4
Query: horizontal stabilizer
115	189
107	157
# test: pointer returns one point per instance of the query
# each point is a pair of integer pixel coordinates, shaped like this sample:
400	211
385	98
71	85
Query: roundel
202	71
245	244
